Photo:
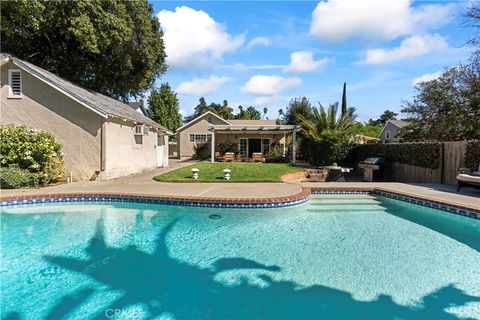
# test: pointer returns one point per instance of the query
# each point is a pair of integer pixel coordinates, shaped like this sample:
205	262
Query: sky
266	53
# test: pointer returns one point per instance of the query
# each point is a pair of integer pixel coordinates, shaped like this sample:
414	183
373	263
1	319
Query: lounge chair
257	157
218	156
465	178
229	157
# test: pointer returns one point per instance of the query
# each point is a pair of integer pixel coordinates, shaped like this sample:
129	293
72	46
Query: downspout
103	151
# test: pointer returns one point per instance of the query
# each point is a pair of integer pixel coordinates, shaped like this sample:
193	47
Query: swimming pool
332	257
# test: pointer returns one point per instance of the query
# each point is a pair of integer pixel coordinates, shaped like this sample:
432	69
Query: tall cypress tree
344	99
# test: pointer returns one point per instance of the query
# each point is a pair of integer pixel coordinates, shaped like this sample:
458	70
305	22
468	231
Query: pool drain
214	216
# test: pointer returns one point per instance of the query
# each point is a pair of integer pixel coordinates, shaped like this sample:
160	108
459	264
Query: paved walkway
144	184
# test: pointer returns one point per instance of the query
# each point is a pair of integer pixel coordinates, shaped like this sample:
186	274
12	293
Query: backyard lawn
241	172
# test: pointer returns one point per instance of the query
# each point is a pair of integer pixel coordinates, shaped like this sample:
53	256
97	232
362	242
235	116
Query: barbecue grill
372	169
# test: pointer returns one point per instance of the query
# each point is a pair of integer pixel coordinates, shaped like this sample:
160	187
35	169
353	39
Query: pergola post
294	145
212	146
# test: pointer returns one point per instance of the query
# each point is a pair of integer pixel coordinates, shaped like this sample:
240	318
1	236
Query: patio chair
229	157
218	156
466	178
257	157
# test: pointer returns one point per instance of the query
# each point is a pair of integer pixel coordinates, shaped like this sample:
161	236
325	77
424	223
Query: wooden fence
452	157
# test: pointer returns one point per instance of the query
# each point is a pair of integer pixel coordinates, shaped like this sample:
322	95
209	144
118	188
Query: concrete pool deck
143	184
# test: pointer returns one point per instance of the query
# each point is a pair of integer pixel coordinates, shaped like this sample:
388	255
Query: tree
265	110
164	107
249	114
297	107
327	136
344	98
112	47
473	20
446	108
222	110
384	117
280	113
323	123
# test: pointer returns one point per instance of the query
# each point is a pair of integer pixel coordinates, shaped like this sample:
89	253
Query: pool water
355	257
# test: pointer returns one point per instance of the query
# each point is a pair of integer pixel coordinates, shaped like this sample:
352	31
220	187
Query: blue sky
265	53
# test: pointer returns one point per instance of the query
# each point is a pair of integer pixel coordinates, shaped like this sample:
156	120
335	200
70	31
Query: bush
201	151
327	151
32	150
472	155
276	155
14	177
421	154
228	147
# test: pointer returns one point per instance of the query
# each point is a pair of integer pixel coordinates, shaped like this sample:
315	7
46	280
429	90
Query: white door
160	148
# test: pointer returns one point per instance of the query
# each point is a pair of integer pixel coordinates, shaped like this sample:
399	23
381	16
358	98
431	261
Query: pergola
255	129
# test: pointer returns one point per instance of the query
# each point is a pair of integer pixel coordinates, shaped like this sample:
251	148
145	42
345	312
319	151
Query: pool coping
215	202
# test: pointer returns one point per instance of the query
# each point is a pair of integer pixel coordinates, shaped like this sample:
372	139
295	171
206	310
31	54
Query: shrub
32	150
472	155
228	147
421	154
14	177
276	154
201	151
327	151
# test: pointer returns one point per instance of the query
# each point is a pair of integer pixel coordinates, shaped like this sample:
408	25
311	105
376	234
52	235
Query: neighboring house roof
253	122
138	105
398	123
209	113
97	102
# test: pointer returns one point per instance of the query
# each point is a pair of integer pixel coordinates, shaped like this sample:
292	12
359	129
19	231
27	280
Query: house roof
253	122
398	123
135	105
97	102
200	117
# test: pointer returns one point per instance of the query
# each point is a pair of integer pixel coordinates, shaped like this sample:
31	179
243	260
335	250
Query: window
387	134
200	138
141	130
265	146
242	148
14	83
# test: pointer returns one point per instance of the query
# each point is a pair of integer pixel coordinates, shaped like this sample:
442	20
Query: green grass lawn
241	172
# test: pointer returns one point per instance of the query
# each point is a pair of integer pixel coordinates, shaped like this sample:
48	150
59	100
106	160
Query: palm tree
326	123
265	110
280	113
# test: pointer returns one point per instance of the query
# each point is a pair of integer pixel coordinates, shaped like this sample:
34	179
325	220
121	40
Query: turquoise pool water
331	258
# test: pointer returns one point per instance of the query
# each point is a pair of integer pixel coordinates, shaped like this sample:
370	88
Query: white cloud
193	38
302	61
259	41
411	47
201	86
426	77
267	100
337	20
263	85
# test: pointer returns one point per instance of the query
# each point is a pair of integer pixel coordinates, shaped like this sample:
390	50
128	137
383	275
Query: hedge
14	177
472	155
421	154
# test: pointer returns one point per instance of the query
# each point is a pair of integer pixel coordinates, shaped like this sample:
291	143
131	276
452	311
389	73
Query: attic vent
15	83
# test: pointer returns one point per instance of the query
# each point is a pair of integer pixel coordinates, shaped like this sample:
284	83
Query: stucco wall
124	154
393	133
200	126
42	107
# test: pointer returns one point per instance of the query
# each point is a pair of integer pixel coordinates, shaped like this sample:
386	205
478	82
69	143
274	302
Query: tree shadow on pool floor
169	287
